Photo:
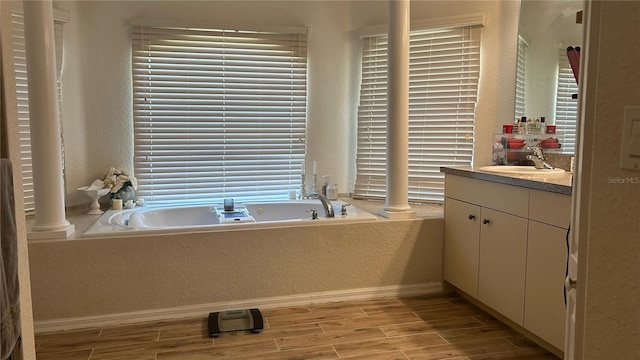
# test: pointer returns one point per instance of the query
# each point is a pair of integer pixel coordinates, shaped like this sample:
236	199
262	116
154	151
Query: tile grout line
405	355
336	351
443	339
511	342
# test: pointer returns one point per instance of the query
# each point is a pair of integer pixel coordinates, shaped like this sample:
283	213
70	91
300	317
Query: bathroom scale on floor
235	320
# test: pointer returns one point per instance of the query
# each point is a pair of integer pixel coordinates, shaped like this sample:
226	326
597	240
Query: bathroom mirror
547	28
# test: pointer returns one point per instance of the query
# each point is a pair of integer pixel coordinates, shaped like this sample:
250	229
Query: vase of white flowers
122	184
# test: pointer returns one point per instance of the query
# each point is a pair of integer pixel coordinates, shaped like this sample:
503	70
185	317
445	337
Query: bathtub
250	215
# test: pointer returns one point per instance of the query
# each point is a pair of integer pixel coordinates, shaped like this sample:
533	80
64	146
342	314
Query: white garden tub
213	218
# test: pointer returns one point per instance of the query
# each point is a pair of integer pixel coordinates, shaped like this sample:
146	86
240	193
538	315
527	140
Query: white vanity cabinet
486	242
549	218
462	245
501	273
505	246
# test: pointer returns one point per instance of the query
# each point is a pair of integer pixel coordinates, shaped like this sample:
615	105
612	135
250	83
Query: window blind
22	94
443	83
218	113
566	106
520	110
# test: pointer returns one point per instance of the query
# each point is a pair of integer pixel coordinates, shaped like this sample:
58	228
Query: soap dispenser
332	191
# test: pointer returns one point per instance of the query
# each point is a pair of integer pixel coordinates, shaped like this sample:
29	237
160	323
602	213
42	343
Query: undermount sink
521	170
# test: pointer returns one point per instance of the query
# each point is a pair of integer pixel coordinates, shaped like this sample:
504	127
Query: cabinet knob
485	221
570	283
471	216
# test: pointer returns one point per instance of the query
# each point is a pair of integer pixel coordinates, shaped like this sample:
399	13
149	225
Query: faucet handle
343	209
537	151
314	214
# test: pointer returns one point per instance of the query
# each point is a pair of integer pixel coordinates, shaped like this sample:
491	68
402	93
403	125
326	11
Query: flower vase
126	193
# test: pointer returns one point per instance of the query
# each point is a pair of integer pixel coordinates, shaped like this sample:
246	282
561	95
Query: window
22	94
566	105
520	78
218	112
444	71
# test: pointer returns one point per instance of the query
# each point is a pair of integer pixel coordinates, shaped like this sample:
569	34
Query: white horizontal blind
566	106
443	83
22	93
218	113
520	110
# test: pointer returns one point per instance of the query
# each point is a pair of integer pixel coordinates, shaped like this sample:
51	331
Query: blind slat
566	107
218	113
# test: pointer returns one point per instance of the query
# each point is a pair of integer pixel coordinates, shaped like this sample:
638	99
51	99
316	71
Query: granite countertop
560	184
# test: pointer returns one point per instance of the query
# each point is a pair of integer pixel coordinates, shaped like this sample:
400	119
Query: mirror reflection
546	83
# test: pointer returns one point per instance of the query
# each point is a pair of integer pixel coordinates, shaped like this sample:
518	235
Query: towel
9	291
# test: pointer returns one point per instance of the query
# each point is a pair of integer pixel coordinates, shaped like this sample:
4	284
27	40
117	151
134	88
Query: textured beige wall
97	89
75	278
611	242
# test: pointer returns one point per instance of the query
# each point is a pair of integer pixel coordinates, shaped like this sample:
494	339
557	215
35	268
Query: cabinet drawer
550	208
506	198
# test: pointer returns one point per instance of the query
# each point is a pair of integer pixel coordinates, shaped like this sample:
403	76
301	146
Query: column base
51	234
397	214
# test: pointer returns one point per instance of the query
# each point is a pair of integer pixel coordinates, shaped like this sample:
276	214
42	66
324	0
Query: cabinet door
461	245
503	251
544	312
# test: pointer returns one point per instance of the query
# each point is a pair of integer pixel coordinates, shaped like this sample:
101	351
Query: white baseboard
264	303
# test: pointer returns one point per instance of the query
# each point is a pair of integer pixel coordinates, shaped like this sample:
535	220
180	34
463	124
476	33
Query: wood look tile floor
427	327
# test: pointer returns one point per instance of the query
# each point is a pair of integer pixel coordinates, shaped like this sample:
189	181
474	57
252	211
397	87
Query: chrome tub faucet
326	204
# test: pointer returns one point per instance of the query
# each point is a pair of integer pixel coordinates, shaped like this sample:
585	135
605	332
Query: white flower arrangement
118	179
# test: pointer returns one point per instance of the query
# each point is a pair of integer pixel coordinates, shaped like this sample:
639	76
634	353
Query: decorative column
46	151
397	205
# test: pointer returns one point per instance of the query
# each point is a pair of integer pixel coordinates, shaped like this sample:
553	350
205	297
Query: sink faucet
538	158
326	204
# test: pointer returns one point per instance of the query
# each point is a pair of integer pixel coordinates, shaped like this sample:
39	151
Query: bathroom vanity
505	246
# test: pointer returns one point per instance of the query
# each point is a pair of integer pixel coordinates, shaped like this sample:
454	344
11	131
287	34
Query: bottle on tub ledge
332	191
326	179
